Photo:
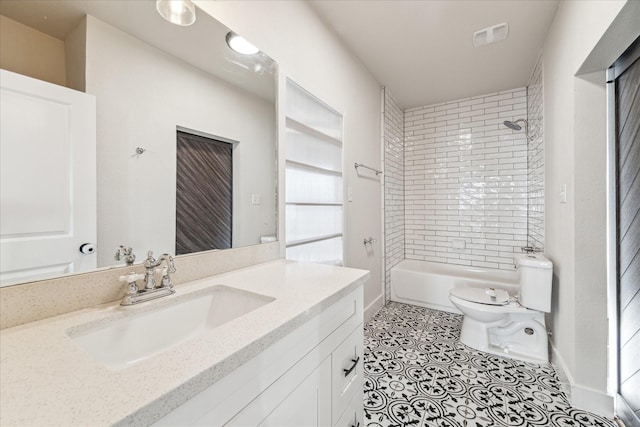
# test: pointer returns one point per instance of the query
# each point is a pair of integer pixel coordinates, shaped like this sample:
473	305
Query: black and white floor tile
418	374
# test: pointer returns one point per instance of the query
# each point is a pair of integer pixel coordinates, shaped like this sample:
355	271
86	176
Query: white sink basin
129	340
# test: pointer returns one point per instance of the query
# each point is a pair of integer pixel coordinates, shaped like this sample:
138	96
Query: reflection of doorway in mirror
204	183
48	180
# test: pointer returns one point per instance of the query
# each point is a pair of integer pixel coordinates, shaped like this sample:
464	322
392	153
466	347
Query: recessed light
240	45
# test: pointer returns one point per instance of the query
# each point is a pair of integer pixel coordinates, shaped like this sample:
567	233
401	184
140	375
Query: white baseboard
592	400
561	369
580	396
373	308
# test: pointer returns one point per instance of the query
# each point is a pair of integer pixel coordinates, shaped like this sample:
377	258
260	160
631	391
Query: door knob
87	248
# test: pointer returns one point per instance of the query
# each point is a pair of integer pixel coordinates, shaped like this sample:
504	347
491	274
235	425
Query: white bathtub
427	284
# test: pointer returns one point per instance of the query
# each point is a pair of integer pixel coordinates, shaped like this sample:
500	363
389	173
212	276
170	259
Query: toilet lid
489	296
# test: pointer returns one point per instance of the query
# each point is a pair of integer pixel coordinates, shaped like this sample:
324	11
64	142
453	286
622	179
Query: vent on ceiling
491	34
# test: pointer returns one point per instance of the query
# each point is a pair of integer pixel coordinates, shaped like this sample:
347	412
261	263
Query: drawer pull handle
355	363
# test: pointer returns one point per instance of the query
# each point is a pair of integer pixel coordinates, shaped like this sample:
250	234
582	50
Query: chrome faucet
150	291
151	263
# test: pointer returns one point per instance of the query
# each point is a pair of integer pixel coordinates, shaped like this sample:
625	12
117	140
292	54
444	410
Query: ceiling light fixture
179	12
240	45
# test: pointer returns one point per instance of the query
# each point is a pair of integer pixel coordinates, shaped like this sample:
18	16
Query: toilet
510	325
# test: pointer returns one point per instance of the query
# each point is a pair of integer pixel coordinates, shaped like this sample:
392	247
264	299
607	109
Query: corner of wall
393	191
372	309
535	157
580	396
75	46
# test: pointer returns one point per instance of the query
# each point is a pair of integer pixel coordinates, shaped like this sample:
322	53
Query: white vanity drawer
354	414
347	372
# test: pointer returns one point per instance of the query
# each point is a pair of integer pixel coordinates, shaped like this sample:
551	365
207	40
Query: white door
48	179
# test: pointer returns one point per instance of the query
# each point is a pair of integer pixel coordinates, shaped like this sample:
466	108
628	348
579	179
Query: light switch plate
563	193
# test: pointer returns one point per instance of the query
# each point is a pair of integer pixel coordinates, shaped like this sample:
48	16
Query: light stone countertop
46	379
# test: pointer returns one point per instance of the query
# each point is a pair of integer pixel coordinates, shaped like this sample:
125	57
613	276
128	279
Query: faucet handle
131	280
131	277
165	280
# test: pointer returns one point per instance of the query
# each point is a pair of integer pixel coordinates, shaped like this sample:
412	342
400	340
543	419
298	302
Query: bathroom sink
132	339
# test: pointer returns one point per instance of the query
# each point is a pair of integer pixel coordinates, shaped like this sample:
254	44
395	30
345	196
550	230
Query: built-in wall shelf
293	124
314	200
314	239
313	168
312	204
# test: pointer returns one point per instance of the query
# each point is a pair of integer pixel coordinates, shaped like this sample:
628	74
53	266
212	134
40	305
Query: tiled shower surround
459	174
535	159
393	187
465	181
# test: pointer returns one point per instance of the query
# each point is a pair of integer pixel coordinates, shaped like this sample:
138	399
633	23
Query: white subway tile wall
535	158
465	181
393	187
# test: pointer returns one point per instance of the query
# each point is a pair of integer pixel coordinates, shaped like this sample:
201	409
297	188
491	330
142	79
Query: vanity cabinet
307	404
353	416
313	376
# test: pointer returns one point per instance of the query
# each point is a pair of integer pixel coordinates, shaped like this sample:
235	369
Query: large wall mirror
162	92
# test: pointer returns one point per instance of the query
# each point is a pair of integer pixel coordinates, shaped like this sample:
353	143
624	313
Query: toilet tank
536	275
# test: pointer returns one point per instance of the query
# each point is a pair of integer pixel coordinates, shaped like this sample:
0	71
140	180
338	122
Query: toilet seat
489	296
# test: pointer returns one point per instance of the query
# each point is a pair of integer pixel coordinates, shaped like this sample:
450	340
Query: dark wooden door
627	91
203	194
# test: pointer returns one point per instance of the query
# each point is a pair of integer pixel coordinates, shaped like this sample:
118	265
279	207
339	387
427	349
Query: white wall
574	126
142	95
313	57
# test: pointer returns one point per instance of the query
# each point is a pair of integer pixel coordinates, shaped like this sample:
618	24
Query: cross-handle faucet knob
131	280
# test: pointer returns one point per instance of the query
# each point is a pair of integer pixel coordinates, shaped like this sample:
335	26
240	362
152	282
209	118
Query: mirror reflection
184	156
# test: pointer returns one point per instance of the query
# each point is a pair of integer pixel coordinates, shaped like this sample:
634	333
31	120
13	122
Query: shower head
514	125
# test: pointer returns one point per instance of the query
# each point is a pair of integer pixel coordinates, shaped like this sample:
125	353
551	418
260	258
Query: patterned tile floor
417	373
